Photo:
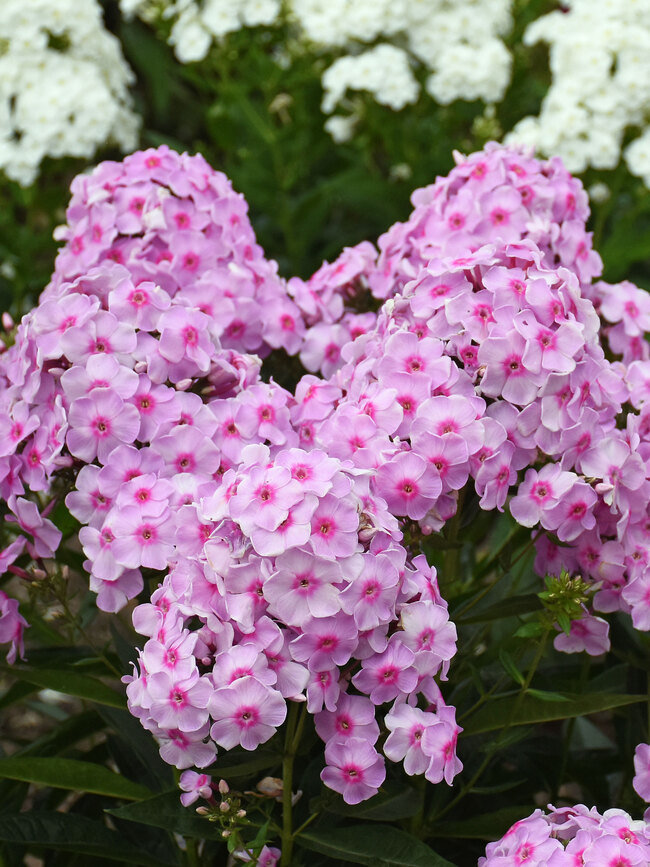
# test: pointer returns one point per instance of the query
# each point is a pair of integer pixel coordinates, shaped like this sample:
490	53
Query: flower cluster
458	44
567	836
299	591
600	68
486	361
173	221
63	85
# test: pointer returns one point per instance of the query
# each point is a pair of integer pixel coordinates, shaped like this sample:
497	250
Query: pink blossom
246	713
353	768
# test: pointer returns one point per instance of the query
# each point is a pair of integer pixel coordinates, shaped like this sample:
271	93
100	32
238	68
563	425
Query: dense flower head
487	363
299	592
566	836
273	520
184	235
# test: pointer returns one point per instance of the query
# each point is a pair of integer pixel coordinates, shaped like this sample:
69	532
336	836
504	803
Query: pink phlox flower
354	717
551	349
622	471
104	333
407	725
264	414
371	596
100	371
574	513
353	768
186	449
302	587
315	399
409	484
264	497
180	702
439	743
430	635
539	493
139	305
589	634
99	423
194	786
334	528
326	643
90	502
46	536
246	713
12	626
243	660
15	426
313	470
385	676
506	373
149	494
185	749
143	539
626	303
175	656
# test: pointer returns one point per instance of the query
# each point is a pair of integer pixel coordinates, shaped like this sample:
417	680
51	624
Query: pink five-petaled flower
354	717
354	768
539	493
303	587
409	484
99	423
180	703
194	786
246	713
386	675
407	725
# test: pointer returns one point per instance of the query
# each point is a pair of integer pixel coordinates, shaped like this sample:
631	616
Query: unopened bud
202	811
270	786
241	814
39	574
7	321
226	834
224	806
183	384
224	788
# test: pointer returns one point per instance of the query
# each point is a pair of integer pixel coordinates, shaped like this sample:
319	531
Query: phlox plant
336	603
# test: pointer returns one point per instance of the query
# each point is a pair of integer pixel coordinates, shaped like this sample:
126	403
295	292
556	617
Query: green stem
191	852
291	738
305	824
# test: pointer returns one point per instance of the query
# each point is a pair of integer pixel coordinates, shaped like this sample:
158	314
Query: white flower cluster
63	84
197	24
382	42
600	63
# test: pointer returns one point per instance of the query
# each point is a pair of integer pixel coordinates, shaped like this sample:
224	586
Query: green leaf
392	803
495	714
240	763
166	811
546	695
158	774
71	774
509	665
489	826
70	832
16	692
71	683
530	630
506	608
375	846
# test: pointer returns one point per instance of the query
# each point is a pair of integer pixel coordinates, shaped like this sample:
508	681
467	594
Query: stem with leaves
293	733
